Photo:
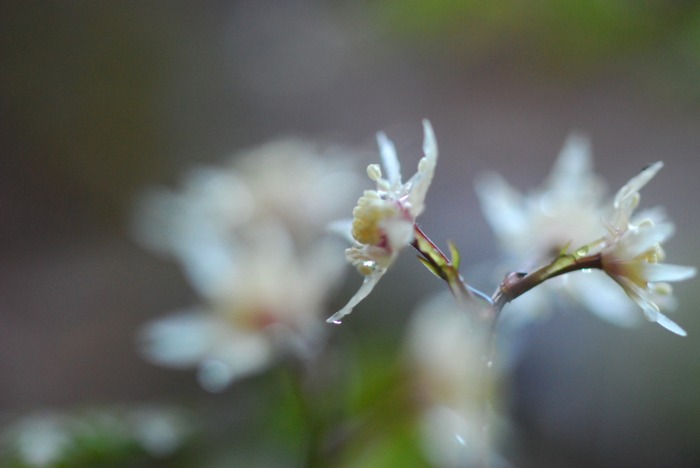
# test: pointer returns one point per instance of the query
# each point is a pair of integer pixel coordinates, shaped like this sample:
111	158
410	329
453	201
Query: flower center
370	211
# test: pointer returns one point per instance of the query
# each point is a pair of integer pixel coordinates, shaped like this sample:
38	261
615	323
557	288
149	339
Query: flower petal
430	148
665	272
502	205
343	228
390	162
604	298
418	185
635	243
178	341
368	285
573	165
670	325
637	182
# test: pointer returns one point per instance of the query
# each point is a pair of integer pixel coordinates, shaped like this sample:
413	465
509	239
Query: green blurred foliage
563	38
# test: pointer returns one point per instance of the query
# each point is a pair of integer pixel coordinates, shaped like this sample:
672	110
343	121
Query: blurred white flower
270	303
288	182
533	229
53	438
252	238
383	219
445	353
631	253
159	430
39	439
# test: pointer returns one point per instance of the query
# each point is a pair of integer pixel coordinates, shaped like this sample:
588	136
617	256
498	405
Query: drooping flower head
383	219
632	252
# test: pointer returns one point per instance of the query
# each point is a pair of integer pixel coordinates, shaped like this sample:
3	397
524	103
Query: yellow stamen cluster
633	269
371	209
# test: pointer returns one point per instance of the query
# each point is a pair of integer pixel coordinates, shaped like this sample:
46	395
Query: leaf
454	255
433	269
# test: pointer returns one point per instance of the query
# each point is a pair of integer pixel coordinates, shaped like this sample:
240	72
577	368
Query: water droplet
581	252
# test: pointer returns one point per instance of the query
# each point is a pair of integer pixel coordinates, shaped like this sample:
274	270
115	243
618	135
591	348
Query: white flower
445	354
268	305
251	237
566	209
205	224
631	253
383	219
49	439
534	228
39	439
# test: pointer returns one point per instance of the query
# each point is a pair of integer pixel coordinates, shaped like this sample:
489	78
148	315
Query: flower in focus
445	355
632	252
252	240
383	219
533	229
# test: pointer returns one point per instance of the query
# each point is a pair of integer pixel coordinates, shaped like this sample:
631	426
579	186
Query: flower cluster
632	252
251	237
571	210
383	220
254	239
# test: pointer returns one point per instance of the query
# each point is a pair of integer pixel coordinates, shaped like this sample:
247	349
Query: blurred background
101	100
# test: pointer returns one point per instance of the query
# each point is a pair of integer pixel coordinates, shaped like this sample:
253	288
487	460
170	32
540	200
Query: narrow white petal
656	215
637	242
637	182
399	233
430	148
574	162
417	186
603	297
390	162
502	205
342	228
651	310
665	272
178	341
641	297
670	325
368	284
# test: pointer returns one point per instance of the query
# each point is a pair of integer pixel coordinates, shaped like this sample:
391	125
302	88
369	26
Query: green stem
517	284
442	266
